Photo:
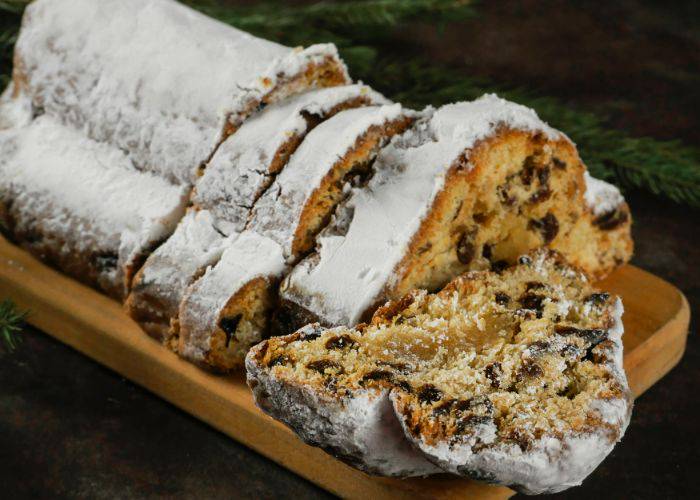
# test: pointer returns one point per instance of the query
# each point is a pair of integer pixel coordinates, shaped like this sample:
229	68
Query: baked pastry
472	186
218	323
242	168
80	205
512	377
155	78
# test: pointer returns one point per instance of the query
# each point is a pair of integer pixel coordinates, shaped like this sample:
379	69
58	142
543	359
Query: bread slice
155	78
472	186
241	170
80	205
512	377
217	324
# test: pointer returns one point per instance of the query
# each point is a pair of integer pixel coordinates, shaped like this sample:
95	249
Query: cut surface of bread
288	216
155	78
513	377
472	186
240	171
79	204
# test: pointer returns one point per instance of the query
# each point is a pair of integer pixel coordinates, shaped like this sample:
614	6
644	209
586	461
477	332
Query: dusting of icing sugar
240	170
354	264
362	430
108	66
601	196
15	108
276	214
193	246
248	257
85	192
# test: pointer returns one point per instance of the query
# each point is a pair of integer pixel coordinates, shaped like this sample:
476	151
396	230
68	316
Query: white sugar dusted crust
288	215
514	378
155	78
298	204
80	205
240	171
471	186
242	285
161	282
246	163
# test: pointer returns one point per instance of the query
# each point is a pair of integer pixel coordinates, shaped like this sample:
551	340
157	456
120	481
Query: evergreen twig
10	324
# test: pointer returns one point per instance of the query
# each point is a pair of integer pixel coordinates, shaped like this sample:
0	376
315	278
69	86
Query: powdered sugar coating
15	108
356	256
551	464
152	77
277	213
248	257
241	168
85	193
362	431
601	196
194	245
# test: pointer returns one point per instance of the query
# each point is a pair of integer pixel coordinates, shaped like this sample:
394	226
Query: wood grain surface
656	324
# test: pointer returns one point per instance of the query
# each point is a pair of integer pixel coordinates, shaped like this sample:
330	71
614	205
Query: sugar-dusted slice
472	186
155	78
80	205
513	378
337	153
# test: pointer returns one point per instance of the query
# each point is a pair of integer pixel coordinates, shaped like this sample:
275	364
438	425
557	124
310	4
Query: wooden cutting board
656	324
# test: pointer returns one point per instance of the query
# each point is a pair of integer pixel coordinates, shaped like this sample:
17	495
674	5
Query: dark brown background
69	427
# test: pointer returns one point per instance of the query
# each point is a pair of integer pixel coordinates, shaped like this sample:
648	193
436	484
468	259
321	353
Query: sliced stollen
155	78
514	378
471	186
80	205
226	310
241	170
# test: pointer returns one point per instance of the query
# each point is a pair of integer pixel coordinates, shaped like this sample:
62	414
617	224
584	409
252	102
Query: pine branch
10	324
666	168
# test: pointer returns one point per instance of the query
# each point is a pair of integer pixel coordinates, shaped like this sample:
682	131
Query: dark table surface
71	428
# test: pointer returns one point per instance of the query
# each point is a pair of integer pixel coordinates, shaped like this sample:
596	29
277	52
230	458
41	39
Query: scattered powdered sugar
85	192
277	213
357	255
152	77
601	196
249	257
168	271
241	168
15	108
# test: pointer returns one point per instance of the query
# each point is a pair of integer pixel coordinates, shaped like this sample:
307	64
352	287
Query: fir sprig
10	324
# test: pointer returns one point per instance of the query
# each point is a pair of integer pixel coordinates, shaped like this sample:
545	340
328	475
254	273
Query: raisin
479	404
591	335
487	251
376	375
322	365
472	421
502	298
281	359
229	324
445	407
597	299
340	342
524	260
611	220
493	373
480	218
559	164
528	171
548	227
506	198
570	351
429	394
405	386
465	248
532	302
543	176
529	370
499	266
539	347
540	195
309	334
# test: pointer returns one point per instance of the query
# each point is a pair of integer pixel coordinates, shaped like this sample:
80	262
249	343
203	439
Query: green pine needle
10	324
